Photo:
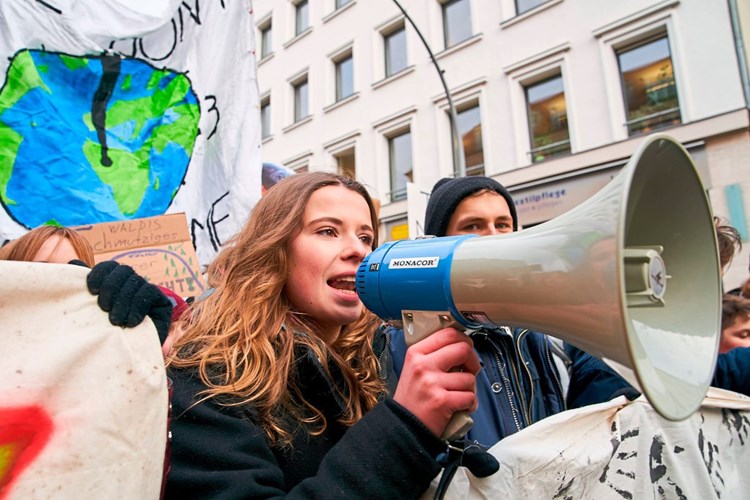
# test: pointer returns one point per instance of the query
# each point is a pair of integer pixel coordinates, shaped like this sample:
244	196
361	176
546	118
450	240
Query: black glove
128	297
464	453
478	460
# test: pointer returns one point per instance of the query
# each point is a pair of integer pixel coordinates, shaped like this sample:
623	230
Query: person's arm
592	381
218	454
733	371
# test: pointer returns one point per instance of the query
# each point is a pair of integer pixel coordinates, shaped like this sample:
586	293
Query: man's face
484	214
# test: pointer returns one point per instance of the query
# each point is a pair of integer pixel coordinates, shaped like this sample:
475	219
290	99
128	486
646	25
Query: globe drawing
92	139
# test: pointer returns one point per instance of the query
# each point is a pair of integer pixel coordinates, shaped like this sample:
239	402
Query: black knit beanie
448	193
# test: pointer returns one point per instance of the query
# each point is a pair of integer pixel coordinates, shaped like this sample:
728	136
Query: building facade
552	97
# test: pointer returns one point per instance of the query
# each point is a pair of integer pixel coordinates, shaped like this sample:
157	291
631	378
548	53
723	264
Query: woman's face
336	236
56	250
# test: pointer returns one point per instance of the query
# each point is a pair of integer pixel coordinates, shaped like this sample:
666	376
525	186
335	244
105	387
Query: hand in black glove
480	462
464	453
128	297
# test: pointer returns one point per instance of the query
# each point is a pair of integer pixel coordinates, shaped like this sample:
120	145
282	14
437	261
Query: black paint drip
110	73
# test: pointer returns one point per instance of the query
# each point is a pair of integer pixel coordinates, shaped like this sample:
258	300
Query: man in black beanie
520	382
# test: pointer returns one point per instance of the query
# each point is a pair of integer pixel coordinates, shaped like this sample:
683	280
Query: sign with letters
158	248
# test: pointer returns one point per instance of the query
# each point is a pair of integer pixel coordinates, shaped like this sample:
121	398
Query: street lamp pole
459	168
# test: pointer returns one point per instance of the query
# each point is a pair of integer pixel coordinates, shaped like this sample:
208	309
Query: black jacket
219	452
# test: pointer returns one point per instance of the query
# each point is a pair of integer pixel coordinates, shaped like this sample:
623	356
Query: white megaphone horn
631	275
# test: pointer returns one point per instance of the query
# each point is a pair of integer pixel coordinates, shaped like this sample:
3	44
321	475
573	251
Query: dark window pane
345	163
456	22
344	78
395	52
265	119
341	3
301	17
648	86
548	119
399	149
300	101
526	5
470	131
266	46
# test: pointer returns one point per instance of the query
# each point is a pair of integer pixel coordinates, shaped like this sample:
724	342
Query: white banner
623	450
83	404
122	109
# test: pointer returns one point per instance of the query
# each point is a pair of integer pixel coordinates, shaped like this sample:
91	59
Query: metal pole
459	168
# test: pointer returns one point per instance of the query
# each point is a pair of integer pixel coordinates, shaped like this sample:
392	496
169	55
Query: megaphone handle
420	324
459	425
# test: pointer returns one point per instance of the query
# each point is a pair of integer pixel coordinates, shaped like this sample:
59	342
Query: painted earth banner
83	404
114	110
622	450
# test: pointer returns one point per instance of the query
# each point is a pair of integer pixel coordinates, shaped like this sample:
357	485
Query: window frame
296	86
265	117
265	30
444	6
300	7
539	149
463	108
338	77
636	44
387	57
520	12
398	194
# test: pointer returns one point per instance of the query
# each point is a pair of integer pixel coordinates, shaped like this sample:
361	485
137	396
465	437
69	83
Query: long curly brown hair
242	338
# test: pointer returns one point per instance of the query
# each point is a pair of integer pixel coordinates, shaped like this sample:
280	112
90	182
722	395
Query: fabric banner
622	450
83	404
116	110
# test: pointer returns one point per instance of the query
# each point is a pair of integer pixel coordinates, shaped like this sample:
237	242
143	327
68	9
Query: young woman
281	378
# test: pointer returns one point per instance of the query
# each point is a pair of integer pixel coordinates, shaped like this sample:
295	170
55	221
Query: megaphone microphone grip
418	325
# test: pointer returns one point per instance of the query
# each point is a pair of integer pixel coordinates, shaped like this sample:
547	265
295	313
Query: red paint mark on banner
24	432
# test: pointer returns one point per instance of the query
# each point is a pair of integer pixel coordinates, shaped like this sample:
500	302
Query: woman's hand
439	378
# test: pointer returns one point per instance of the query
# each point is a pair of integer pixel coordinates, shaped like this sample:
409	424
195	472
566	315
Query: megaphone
631	275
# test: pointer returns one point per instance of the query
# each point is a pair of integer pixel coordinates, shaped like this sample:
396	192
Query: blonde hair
242	338
27	246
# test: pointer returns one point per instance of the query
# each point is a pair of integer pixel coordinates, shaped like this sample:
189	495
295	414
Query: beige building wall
574	37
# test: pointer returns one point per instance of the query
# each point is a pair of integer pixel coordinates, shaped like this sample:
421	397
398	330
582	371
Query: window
456	22
265	117
345	163
548	119
301	17
266	44
469	126
301	98
526	5
341	3
395	51
344	77
399	157
648	85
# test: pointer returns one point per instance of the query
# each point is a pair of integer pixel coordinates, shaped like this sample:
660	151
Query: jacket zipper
553	371
506	382
381	369
527	409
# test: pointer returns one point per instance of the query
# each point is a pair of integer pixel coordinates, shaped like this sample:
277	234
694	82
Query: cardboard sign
158	248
